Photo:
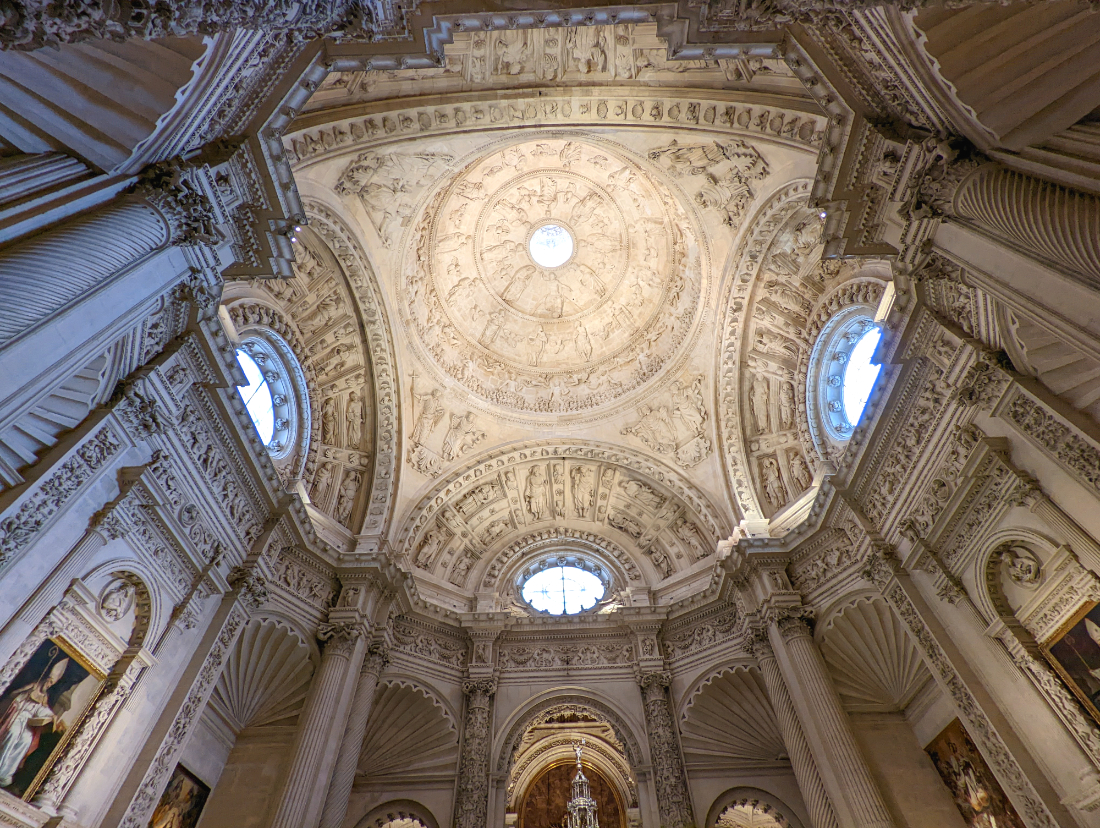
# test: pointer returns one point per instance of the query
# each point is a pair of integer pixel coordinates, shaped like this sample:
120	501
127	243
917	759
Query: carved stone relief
563	338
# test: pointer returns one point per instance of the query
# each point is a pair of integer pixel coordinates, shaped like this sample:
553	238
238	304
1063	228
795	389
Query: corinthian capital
190	213
479	690
250	586
339	638
793	621
757	644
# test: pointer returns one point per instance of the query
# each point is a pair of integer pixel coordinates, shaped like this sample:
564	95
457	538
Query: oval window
257	397
860	375
563	590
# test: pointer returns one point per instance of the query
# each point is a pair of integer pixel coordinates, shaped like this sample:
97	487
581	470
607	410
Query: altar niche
544	801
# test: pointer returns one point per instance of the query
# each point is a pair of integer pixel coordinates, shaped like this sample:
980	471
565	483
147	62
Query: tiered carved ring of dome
536	339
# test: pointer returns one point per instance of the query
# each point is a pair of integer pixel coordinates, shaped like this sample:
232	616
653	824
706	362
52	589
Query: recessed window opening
563	590
860	375
257	397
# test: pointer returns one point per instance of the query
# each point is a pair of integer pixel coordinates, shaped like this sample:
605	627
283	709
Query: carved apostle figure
786	405
800	472
758	400
347	497
687	405
661	561
534	493
774	489
431	412
432	543
582	487
354	416
321	482
328	422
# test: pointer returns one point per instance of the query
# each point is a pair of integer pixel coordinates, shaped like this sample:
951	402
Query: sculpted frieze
543	657
422	642
536	498
582	108
441	433
702	634
563	336
675	424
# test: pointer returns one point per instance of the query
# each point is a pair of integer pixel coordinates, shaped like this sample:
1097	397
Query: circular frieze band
553	275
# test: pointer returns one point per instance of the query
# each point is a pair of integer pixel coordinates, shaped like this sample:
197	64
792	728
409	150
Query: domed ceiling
560	270
576	334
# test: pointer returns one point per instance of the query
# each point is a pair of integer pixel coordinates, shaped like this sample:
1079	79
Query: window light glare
550	245
563	590
860	375
257	397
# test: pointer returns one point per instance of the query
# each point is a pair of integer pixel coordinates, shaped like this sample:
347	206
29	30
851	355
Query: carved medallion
553	276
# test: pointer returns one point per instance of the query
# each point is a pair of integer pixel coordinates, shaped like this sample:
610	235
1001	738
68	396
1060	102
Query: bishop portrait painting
41	705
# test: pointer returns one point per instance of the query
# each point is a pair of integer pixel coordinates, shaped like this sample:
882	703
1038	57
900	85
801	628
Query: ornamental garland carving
19	528
523	335
422	642
1058	439
542	657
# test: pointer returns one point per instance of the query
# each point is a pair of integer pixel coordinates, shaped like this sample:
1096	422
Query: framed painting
976	791
182	802
1074	651
39	711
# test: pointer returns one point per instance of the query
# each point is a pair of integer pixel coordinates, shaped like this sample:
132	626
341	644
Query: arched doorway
544	800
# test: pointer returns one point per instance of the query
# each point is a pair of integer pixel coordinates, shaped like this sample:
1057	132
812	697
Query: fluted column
673	799
343	775
324	716
844	772
472	808
802	760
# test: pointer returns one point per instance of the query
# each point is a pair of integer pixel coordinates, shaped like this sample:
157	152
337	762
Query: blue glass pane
860	375
257	397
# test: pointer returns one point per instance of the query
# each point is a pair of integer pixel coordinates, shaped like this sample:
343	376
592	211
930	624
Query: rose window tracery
553	275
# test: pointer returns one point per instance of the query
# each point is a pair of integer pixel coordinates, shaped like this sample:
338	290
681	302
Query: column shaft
308	778
471	810
673	798
802	760
343	775
845	774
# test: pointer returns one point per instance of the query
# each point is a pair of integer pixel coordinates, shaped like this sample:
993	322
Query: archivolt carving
380	353
585	492
569	705
555	339
782	294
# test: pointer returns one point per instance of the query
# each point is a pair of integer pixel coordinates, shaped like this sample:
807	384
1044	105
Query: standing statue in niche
774	489
534	493
354	416
786	405
800	472
347	497
582	486
758	399
328	422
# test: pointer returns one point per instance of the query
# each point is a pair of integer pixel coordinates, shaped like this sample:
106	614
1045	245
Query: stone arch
991	599
149	603
747	795
378	338
672	523
556	702
399	813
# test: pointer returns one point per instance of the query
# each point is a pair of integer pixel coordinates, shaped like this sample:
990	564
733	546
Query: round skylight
563	590
860	375
551	245
257	397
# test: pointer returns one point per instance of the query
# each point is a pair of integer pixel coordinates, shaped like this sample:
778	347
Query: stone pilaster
673	798
802	760
844	772
307	782
195	689
343	775
958	682
471	810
